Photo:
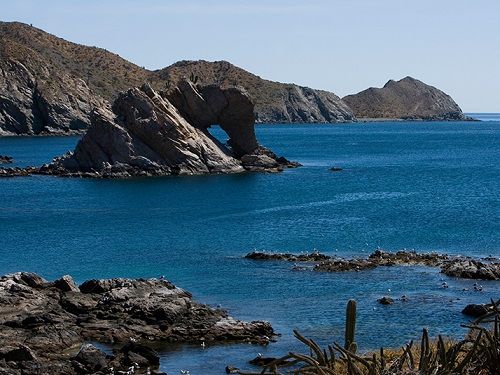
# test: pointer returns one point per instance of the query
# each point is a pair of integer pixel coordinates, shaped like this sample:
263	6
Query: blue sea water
423	186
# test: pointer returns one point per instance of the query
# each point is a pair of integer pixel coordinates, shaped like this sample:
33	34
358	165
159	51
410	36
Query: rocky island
47	327
406	99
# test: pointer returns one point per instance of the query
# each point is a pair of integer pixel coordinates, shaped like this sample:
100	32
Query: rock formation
49	85
44	325
472	269
407	99
453	266
307	257
148	134
5	159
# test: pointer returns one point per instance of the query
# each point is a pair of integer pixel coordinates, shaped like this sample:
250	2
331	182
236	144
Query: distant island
407	99
50	86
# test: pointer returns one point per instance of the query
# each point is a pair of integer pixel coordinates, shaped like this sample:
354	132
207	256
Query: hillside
274	102
50	85
407	99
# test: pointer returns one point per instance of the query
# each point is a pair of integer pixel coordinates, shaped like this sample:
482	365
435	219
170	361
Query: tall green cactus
350	326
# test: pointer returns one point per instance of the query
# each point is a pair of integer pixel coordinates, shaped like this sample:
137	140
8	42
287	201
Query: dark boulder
385	300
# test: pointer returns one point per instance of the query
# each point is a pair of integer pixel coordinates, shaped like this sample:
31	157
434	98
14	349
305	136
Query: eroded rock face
29	104
147	133
42	322
406	99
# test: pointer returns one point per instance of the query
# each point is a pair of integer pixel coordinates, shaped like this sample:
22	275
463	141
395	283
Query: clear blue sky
339	45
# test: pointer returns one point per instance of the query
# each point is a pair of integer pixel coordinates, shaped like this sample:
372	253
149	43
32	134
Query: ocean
428	186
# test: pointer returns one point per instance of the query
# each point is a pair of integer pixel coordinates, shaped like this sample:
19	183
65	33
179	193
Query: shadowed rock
477	310
41	322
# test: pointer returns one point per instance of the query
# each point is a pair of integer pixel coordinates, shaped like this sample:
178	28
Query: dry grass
478	353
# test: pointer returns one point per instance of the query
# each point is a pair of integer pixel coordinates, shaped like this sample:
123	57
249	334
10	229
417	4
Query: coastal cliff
50	86
406	99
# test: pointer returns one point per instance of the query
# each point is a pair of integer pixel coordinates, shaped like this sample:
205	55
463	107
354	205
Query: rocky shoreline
453	266
48	327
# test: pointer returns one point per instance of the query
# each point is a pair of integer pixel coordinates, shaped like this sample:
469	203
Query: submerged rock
385	300
41	322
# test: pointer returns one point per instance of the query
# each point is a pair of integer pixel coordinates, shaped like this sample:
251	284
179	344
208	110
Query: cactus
350	326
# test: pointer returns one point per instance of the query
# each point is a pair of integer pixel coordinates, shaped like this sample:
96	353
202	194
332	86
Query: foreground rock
457	266
5	159
407	99
477	310
44	324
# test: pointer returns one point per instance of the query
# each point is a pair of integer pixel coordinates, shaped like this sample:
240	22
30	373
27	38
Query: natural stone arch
230	108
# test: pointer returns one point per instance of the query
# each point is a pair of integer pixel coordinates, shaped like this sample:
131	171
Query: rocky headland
453	266
149	133
47	327
49	85
406	99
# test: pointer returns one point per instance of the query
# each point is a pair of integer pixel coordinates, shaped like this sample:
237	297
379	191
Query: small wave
342	198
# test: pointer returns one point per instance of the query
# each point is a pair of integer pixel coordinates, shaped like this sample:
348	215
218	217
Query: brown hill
407	99
274	102
49	85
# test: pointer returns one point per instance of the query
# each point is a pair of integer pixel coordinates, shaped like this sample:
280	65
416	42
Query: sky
343	46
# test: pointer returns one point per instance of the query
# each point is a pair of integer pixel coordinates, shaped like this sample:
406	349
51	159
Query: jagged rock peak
406	99
152	133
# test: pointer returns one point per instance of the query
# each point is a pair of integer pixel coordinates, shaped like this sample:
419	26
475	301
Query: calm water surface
425	186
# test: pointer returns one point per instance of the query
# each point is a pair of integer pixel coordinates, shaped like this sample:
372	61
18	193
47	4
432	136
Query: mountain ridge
49	85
